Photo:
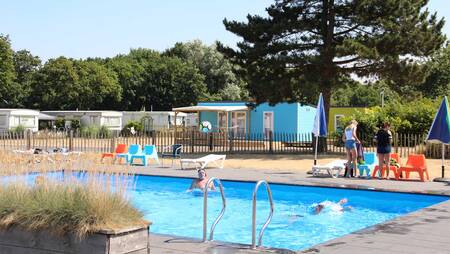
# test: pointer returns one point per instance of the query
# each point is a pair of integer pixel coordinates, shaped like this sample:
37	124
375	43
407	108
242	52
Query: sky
105	28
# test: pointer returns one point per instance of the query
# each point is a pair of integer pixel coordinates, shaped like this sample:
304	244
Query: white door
268	123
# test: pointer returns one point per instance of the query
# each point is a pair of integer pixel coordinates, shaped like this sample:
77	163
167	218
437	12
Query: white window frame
272	121
234	116
336	121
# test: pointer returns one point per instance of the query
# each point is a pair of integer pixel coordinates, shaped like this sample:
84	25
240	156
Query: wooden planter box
129	241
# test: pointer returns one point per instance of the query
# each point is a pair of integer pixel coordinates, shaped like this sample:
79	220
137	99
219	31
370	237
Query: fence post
396	142
113	144
270	141
211	141
71	140
192	141
28	134
231	138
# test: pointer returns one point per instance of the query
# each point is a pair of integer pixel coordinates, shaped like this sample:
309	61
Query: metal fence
213	142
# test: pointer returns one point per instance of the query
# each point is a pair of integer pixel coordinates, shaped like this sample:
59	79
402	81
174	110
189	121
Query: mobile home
13	118
111	119
241	118
158	120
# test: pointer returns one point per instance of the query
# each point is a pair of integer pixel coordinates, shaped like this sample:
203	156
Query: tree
9	92
315	45
217	70
66	84
150	80
368	95
438	81
99	86
26	66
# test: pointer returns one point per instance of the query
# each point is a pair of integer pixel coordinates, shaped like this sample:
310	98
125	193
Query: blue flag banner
440	129
320	120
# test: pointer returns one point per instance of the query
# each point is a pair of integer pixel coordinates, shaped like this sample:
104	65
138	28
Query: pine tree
306	46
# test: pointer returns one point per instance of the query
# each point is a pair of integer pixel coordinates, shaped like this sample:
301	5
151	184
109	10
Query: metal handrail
205	208
261	232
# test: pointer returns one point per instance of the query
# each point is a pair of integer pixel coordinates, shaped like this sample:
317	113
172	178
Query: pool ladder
261	231
224	205
205	208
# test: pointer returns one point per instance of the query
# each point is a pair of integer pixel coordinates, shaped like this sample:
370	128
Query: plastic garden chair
132	150
148	153
120	149
173	152
370	161
415	163
392	168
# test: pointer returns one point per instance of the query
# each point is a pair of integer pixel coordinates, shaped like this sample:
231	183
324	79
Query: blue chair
173	152
149	152
370	161
132	150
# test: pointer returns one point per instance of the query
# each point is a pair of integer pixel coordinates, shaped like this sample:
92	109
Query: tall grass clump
66	207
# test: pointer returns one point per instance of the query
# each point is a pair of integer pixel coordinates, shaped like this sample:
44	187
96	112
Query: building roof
211	108
83	112
43	116
20	111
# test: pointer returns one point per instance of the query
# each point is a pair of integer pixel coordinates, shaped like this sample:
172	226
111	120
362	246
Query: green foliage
19	129
412	117
26	66
137	126
220	79
60	123
68	84
438	81
302	47
65	208
90	131
75	124
104	132
356	94
9	91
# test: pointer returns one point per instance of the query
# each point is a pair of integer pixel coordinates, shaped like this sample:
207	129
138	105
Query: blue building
240	119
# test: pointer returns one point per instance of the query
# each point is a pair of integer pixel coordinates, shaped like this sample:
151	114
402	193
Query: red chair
120	148
415	163
394	169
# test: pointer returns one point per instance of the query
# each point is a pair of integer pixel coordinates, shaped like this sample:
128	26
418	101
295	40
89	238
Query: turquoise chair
370	161
132	150
149	152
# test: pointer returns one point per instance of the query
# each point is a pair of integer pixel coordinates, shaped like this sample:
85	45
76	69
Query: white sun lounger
202	162
333	168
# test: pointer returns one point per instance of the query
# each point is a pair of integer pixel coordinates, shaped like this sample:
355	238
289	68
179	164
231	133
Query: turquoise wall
288	117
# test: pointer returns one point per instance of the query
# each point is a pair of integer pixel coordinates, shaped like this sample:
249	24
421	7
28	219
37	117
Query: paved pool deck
423	231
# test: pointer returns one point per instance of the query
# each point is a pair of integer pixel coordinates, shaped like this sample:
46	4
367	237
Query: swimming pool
174	211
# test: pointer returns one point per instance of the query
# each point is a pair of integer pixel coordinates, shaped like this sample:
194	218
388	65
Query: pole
443	161
315	151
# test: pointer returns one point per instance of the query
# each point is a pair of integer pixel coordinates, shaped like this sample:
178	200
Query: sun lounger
205	160
333	168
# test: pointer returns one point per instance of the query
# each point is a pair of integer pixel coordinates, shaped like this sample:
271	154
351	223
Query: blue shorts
350	144
384	149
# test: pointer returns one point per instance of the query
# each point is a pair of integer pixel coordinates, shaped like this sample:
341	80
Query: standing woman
350	140
384	141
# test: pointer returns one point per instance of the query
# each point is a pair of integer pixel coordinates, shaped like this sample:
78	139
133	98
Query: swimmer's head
201	174
318	208
343	201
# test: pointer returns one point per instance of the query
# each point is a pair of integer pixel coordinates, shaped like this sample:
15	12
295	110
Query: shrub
65	207
89	131
19	129
60	123
104	132
137	126
75	124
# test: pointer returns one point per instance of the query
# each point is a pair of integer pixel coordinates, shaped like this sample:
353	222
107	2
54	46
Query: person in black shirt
384	140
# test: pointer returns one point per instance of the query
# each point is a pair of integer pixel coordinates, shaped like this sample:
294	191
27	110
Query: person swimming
200	182
332	206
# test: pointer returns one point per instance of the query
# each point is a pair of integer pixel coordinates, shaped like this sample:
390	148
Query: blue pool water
174	211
